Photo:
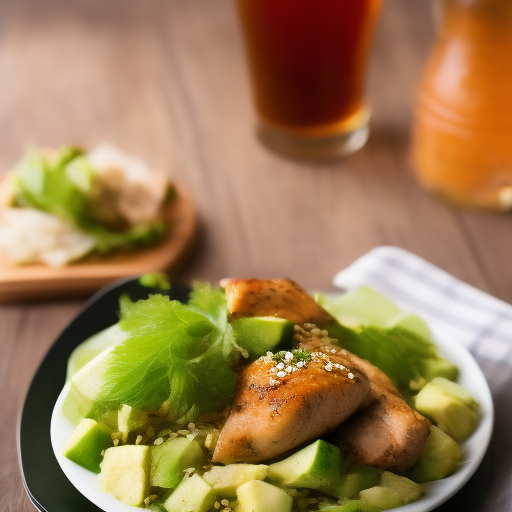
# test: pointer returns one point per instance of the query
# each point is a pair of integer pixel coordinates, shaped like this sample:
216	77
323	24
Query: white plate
473	450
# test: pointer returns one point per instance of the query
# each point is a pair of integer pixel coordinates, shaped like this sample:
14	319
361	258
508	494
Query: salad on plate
58	206
256	397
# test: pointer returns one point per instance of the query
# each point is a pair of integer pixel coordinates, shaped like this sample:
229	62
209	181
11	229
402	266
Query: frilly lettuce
180	353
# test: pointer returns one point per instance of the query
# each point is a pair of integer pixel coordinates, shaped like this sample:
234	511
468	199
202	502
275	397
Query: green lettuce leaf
176	352
61	184
398	343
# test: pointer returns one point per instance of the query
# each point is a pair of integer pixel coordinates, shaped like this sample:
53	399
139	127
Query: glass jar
462	135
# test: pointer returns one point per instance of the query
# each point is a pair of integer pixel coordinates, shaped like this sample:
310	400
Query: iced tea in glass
308	62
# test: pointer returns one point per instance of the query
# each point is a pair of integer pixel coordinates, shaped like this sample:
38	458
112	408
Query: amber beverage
462	140
308	62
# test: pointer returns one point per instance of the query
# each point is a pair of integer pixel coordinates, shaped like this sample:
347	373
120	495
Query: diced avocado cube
439	367
192	495
170	459
85	387
91	347
125	473
409	490
450	406
382	497
87	443
156	506
260	334
318	466
352	506
366	306
129	419
456	391
258	496
226	479
439	458
356	478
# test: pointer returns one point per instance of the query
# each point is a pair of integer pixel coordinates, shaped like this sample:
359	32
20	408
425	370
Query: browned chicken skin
387	433
271	415
268	420
273	297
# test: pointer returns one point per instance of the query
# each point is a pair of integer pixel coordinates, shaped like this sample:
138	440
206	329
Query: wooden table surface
166	80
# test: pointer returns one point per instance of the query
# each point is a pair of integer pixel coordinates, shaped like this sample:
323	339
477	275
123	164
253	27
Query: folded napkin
477	320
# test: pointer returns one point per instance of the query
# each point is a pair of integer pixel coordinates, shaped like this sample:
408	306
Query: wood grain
166	80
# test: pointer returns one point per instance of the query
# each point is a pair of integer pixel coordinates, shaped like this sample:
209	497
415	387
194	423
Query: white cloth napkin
480	322
476	319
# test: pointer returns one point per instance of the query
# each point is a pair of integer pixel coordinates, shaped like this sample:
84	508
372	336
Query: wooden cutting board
37	281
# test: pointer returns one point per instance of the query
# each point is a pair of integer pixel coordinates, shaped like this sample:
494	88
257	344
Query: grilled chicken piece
273	413
273	297
387	433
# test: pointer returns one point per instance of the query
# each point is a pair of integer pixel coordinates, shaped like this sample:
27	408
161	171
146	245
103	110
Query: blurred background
167	80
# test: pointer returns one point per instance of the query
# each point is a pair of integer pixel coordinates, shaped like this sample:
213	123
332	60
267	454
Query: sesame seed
281	374
333	351
273	382
328	367
273	369
289	369
269	354
288	356
350	375
280	366
300	364
158	441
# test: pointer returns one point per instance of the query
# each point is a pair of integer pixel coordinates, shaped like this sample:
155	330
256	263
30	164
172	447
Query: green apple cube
382	497
354	479
192	495
170	459
129	420
439	459
258	496
409	490
226	479
125	473
450	406
258	335
318	466
87	443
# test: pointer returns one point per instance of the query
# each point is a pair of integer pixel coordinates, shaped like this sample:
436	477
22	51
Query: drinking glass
307	60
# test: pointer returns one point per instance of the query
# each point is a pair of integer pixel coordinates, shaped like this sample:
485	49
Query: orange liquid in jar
462	140
308	60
